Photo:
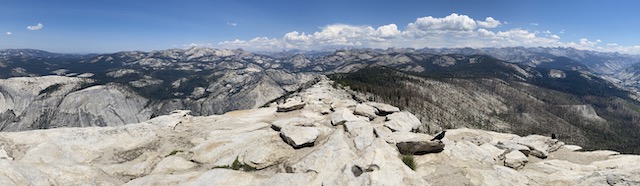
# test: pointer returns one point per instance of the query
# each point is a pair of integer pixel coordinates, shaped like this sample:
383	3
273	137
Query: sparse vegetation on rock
409	161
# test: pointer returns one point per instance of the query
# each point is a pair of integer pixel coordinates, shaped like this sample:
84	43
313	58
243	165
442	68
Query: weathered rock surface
342	103
420	147
242	148
540	146
343	115
383	109
299	137
402	122
366	111
28	103
173	164
573	147
290	105
293	121
361	132
512	146
515	159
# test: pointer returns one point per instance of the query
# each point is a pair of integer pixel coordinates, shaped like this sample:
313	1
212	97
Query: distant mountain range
127	87
582	95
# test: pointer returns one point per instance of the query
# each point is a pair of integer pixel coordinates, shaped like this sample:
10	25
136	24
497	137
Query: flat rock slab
573	147
343	115
291	105
512	146
295	121
420	147
366	111
397	137
540	146
350	104
299	137
383	109
402	122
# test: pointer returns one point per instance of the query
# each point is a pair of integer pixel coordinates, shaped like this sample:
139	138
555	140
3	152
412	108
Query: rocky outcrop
361	132
293	121
540	146
299	137
343	115
290	105
383	109
402	122
420	147
242	148
366	111
515	159
58	101
108	105
512	146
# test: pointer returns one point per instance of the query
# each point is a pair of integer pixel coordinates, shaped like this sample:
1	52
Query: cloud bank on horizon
452	31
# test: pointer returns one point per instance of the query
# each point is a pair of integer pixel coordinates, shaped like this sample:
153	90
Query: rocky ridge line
320	143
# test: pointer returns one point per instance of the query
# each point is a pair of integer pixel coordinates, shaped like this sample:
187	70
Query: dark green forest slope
590	114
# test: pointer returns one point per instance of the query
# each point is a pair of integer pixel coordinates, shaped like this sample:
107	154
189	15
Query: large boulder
291	104
465	153
343	115
498	154
343	103
512	146
366	111
420	147
299	137
384	133
402	122
379	161
515	159
258	148
397	137
383	109
540	146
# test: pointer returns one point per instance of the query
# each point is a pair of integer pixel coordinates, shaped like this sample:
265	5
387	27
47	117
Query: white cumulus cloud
485	33
8	33
451	22
451	31
342	35
197	45
489	22
232	24
388	31
586	42
296	37
39	26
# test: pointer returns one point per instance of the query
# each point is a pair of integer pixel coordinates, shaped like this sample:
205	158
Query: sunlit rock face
131	87
299	146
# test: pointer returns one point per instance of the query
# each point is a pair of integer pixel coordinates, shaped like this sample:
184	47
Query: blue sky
117	25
